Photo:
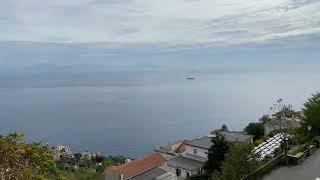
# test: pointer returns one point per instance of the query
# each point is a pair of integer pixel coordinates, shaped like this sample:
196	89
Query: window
195	151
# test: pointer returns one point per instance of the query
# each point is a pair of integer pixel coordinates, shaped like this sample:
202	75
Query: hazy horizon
113	112
105	74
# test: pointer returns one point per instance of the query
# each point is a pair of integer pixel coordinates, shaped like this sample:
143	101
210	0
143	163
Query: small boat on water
191	78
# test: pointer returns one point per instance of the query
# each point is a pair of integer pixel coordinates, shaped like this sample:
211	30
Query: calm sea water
132	113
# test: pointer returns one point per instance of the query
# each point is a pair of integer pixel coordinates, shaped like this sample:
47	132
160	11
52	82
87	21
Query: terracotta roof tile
139	165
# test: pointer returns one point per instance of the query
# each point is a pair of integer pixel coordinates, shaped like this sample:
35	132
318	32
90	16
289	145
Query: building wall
170	175
183	171
249	141
270	126
199	151
167	176
190	153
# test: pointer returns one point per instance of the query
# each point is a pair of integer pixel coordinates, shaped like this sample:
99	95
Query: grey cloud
175	23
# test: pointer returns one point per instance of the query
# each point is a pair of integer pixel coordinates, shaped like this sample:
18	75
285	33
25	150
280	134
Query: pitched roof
176	147
204	142
152	174
171	147
185	163
236	136
139	165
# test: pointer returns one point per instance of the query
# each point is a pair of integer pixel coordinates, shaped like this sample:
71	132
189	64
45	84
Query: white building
60	151
192	160
86	155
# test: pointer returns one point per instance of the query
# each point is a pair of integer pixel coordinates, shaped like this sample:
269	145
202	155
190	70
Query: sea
132	113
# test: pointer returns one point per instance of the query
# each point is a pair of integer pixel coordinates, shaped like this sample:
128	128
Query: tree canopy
311	112
20	160
216	154
255	129
238	163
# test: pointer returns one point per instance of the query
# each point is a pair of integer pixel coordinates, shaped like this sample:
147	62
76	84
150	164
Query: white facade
167	176
194	154
61	151
86	155
170	175
183	172
197	152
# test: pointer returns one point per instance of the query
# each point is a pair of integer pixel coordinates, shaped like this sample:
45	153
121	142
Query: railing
301	156
257	174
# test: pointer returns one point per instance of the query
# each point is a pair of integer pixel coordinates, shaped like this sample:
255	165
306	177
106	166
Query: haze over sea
130	113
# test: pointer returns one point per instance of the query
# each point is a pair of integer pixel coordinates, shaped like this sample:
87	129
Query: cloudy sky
133	29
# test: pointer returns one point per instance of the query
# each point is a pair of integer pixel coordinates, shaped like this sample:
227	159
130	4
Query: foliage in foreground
86	168
216	154
311	112
238	163
78	175
255	129
31	161
20	160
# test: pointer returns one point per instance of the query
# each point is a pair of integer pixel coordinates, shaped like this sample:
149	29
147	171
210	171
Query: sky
143	34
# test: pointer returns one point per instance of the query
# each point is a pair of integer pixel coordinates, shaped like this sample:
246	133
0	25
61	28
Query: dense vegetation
22	161
311	112
216	154
238	163
84	168
256	129
228	161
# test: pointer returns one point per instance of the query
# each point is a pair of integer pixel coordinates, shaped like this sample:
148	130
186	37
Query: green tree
109	161
83	174
311	112
20	160
255	129
238	163
216	154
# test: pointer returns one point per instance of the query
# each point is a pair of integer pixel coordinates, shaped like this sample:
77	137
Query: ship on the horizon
191	78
